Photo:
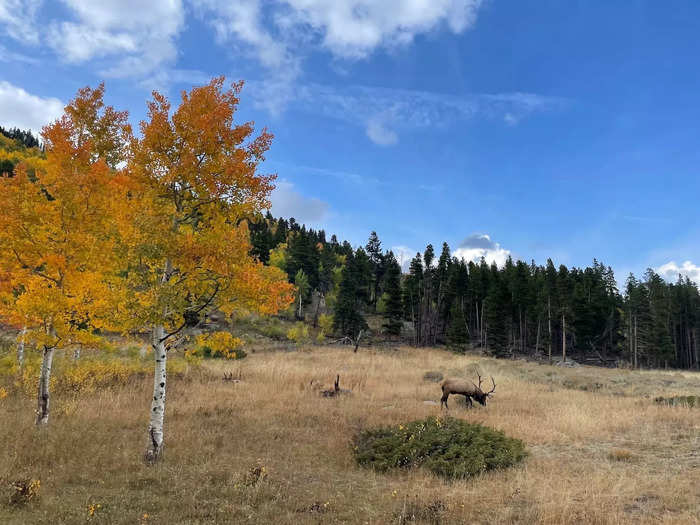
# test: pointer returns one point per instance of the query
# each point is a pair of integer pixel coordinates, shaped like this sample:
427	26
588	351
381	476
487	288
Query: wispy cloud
19	19
10	56
384	112
642	219
345	176
279	34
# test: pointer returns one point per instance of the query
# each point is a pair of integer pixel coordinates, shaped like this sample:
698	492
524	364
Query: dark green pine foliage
6	167
378	267
413	295
24	139
261	238
458	333
352	295
497	313
327	264
393	314
281	230
523	308
303	254
660	312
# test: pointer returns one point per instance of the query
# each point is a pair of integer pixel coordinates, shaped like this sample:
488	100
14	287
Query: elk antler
479	376
493	389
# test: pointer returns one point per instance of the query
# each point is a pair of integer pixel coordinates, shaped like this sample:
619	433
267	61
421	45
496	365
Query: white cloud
355	28
279	33
140	35
241	24
403	255
670	271
478	245
26	111
18	17
288	202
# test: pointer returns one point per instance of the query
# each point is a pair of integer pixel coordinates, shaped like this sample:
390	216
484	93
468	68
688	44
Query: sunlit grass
270	449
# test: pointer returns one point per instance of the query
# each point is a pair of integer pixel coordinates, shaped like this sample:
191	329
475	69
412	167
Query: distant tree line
518	308
25	138
18	146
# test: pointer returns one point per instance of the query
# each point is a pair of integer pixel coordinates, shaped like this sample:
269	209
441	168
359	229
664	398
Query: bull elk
467	389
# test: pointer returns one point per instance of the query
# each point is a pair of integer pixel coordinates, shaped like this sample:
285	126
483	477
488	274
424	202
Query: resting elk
465	388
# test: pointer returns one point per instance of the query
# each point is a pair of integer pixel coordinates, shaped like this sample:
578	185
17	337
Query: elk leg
469	401
443	400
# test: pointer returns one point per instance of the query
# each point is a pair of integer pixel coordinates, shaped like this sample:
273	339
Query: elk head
480	395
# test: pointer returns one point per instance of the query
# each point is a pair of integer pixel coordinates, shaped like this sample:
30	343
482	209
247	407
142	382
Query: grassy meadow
271	449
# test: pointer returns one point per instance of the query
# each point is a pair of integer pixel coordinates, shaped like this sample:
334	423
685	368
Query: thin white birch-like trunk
563	337
154	451
20	347
42	413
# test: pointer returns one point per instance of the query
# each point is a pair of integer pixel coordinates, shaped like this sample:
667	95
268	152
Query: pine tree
457	332
413	296
394	308
376	259
347	318
497	313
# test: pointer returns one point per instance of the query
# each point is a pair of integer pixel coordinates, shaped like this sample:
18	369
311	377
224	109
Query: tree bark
20	347
42	413
537	339
563	337
154	451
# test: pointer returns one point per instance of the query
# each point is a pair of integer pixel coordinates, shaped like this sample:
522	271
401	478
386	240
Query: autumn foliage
116	232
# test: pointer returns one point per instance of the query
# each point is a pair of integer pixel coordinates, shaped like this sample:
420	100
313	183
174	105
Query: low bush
299	333
449	447
217	345
687	401
433	376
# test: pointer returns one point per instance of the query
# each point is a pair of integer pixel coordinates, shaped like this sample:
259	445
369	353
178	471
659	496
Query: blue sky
563	129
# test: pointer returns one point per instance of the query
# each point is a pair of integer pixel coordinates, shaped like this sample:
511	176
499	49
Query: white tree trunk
42	413
20	347
563	337
154	451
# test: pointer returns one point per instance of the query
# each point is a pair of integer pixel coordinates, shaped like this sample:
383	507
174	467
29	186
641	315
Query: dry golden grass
271	450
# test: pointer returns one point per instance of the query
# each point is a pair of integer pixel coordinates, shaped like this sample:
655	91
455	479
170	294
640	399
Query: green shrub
687	401
449	447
